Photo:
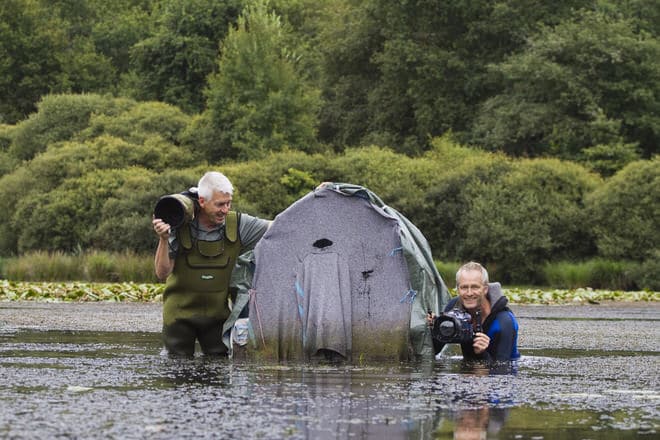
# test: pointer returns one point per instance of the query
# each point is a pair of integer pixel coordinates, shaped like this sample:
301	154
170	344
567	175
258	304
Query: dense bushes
625	212
96	188
511	214
59	118
67	195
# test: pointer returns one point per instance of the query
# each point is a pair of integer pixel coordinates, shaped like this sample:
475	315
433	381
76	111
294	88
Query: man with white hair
197	259
494	325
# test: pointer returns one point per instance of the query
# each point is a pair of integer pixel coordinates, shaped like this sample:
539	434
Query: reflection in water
475	424
77	385
480	410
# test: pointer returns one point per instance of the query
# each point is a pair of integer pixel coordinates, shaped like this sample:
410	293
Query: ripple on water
79	385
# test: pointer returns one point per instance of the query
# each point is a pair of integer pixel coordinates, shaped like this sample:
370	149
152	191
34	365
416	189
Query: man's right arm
163	264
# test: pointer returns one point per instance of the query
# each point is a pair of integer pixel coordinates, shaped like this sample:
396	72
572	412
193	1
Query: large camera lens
453	327
174	209
447	329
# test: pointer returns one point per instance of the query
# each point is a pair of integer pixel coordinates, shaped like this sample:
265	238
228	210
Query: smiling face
214	211
471	289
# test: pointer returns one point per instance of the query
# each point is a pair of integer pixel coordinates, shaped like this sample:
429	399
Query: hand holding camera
455	327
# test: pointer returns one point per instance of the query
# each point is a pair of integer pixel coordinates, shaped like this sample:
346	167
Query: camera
454	327
176	209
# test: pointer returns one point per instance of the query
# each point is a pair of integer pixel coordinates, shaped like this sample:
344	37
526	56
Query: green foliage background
518	136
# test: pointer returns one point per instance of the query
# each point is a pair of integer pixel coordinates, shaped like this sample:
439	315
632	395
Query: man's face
471	290
215	210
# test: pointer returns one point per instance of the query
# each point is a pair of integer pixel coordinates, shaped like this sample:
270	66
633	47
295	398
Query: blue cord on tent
301	312
299	290
409	297
395	250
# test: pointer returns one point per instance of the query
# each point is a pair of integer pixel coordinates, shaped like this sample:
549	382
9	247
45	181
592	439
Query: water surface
569	384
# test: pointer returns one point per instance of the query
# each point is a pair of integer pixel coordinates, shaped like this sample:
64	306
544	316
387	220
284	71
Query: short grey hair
214	181
472	265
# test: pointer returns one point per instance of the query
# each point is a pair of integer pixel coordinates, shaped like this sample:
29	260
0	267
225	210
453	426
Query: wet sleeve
251	229
502	346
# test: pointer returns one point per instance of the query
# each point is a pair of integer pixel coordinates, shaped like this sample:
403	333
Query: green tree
7	161
172	64
119	25
400	73
349	36
63	46
592	80
30	41
258	100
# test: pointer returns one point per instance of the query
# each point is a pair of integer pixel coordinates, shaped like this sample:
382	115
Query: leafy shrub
59	118
201	137
531	215
625	212
510	216
610	158
400	181
449	199
7	163
130	207
258	185
6	136
140	122
41	179
104	210
68	214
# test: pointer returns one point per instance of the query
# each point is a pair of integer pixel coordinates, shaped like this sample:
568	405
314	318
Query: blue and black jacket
500	326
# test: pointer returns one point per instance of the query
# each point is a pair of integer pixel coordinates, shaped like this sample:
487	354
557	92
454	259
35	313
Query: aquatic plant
152	292
79	291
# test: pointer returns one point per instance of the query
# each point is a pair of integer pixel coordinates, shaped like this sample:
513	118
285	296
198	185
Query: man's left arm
504	339
251	229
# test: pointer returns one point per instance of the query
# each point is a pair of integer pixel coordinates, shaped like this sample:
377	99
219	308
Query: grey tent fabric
341	273
323	294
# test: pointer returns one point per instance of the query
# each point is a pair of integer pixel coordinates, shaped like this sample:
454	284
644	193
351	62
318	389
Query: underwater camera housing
176	209
453	327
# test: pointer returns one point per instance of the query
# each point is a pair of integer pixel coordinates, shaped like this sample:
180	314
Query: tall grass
102	266
96	266
596	273
448	271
